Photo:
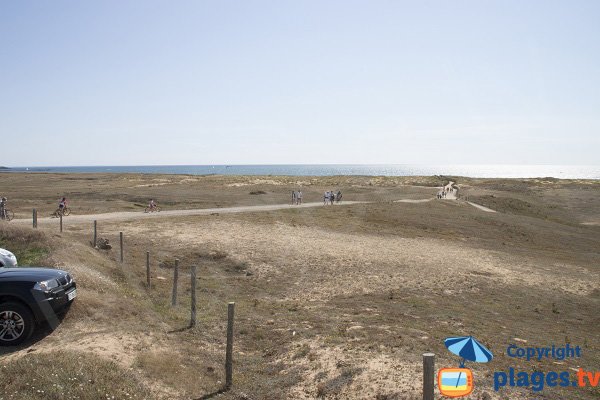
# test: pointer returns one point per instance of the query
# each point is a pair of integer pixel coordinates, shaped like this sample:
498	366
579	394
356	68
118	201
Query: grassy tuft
31	247
334	387
68	375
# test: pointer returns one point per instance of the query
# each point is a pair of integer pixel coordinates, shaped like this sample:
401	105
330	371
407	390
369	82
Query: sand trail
482	208
129	215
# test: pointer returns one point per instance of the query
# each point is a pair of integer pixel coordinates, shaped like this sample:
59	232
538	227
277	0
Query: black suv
29	296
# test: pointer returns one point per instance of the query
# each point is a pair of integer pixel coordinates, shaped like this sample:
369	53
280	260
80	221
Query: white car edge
7	259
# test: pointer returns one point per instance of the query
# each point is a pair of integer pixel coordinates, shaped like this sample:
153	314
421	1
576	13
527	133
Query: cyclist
152	205
62	204
3	201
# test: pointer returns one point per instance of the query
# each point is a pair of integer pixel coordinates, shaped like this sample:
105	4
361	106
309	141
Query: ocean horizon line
508	171
294	164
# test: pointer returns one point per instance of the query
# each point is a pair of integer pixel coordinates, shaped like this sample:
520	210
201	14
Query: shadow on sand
183	329
213	394
38	335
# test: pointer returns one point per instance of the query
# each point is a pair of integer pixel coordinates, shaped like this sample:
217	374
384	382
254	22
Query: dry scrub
330	302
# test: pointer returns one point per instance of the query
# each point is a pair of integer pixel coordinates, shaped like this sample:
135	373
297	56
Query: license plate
71	295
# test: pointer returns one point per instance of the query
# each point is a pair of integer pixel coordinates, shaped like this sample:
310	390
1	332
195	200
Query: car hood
30	274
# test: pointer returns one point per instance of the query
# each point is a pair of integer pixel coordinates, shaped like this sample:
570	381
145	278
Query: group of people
62	204
330	197
296	197
445	190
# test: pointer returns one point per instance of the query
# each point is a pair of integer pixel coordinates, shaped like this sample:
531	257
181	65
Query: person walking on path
299	197
293	197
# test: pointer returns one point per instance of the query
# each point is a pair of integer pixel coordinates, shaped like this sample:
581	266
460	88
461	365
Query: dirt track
128	215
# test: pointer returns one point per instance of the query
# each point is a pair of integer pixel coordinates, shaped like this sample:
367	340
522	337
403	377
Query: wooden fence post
34	218
175	277
61	228
95	234
193	290
229	349
148	269
428	376
121	243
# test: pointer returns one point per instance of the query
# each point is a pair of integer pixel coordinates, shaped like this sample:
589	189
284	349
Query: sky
119	82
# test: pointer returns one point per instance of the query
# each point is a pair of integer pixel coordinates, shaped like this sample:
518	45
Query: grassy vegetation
331	302
64	375
29	246
94	193
332	387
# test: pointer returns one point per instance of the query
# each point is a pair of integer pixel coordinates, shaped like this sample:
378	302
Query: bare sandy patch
367	263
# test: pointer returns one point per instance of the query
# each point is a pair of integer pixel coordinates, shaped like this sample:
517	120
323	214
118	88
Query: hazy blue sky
235	82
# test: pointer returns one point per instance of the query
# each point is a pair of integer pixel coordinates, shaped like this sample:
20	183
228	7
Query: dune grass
67	375
31	247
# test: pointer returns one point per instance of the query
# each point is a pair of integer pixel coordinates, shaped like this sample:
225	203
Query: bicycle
152	209
64	211
8	215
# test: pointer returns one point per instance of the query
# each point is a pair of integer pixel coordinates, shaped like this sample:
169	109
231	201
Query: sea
473	171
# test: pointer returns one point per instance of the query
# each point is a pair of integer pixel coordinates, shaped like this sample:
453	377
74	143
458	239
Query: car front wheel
16	324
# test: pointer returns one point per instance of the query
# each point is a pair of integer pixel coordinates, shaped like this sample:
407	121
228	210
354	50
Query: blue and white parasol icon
469	349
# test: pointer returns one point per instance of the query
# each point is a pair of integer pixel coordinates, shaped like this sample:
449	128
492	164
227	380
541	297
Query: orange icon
455	382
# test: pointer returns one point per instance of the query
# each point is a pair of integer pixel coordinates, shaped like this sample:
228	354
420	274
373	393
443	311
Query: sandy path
449	193
482	208
127	215
412	201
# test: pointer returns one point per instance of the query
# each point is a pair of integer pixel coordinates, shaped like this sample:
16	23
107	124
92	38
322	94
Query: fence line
428	358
